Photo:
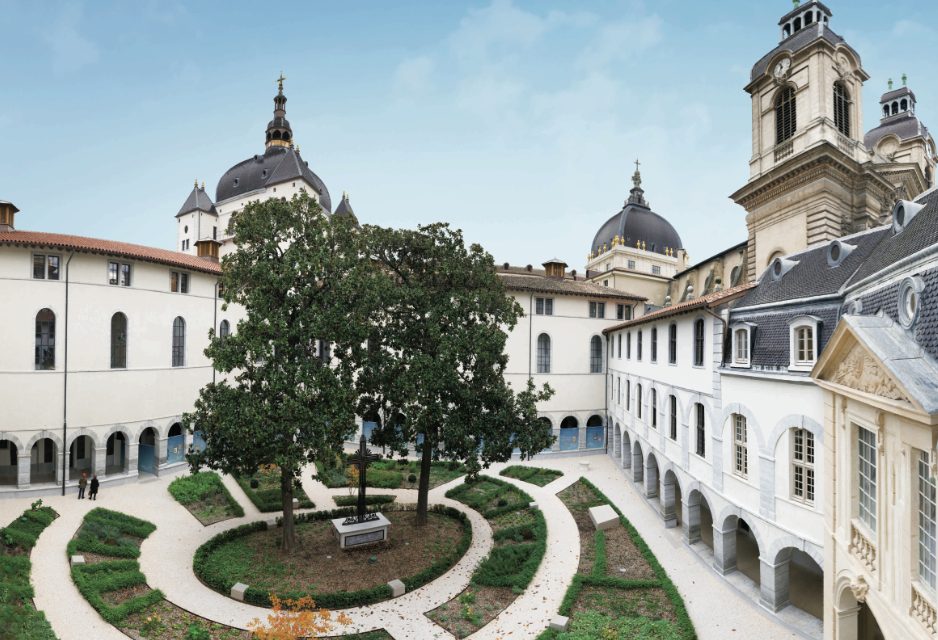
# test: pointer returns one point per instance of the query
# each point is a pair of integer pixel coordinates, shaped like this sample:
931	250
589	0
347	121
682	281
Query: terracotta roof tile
709	300
64	242
543	284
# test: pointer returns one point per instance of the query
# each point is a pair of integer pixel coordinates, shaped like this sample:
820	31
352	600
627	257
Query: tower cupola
7	213
279	133
896	102
803	16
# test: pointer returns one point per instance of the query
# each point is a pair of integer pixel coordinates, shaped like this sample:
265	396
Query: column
132	453
651	480
690	514
846	623
23	463
626	460
724	549
667	505
774	583
100	461
638	470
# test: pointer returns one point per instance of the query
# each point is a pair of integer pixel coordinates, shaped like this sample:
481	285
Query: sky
517	121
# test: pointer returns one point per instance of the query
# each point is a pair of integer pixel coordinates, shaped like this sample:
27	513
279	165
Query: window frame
795	330
44	342
803	456
739	360
740	446
179	282
672	407
927	523
654	344
47	269
700	426
118	346
638	346
638	400
596	355
700	343
542	357
654	408
672	343
786	114
842	111
179	343
867	511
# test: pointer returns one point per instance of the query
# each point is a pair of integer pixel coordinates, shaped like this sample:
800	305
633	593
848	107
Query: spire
279	133
637	193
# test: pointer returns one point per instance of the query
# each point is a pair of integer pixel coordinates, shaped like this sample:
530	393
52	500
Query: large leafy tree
287	396
436	359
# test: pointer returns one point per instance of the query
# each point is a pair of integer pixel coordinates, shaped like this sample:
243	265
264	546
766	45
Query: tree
436	359
297	275
294	620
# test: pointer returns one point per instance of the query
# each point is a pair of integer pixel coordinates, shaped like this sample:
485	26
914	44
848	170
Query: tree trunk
423	489
288	542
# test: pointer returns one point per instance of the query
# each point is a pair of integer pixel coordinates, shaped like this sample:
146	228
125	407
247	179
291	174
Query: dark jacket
94	485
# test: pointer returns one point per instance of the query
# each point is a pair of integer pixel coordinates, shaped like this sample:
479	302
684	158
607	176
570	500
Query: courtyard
437	609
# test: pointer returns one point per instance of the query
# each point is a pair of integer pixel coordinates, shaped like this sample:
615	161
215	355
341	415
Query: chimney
207	249
7	212
555	268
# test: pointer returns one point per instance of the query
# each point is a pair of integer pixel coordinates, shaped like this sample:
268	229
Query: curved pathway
166	560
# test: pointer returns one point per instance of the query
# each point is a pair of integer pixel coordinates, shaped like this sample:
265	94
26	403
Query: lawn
620	592
19	619
519	534
206	497
390	474
319	568
534	475
266	495
112	583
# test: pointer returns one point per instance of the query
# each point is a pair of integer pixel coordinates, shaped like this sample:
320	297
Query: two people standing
83	483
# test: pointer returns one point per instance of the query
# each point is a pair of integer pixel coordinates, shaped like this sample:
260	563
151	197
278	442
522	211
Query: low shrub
266	496
19	618
24	531
535	475
351	501
201	486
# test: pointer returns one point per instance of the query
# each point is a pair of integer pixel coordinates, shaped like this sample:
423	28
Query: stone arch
732	547
148	449
87	463
671	498
42	435
786	543
752	423
116	461
652	473
794	421
617	441
638	462
697	515
13	438
626	449
84	432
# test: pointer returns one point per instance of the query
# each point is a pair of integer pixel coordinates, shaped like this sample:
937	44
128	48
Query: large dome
637	223
277	164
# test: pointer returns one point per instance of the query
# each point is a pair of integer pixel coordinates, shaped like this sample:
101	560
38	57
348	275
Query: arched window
701	430
224	329
596	355
179	342
672	401
654	408
802	465
886	111
543	353
118	341
639	345
45	340
785	115
740	447
842	109
638	400
895	108
654	344
699	342
903	105
672	343
628	395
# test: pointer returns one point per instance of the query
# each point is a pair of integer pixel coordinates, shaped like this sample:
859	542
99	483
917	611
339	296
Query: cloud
412	76
620	41
499	25
69	48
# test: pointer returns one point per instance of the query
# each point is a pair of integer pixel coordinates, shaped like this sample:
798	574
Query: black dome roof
636	222
278	164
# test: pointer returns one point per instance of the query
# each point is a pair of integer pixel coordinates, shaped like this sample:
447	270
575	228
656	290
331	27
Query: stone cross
360	459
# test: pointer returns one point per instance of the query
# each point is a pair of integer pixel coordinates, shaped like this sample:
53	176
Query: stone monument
363	528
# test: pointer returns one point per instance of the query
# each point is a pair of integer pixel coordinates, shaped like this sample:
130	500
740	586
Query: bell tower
810	176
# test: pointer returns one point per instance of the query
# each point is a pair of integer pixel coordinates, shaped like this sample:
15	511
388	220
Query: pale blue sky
515	120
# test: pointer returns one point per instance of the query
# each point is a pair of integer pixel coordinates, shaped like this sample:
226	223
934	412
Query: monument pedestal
360	534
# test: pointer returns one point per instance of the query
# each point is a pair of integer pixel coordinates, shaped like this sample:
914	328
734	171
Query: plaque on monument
363	528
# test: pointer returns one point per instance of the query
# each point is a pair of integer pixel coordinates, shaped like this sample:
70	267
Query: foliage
19	619
196	631
596	626
351	501
352	476
534	475
300	278
220	577
267	495
294	620
110	533
436	353
202	487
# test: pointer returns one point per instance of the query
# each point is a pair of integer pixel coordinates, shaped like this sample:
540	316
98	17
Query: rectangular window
592	309
112	270
628	395
184	283
628	345
656	270
638	350
701	431
802	460
53	267
866	477
214	233
605	283
618	390
539	306
46	266
174	281
654	408
654	344
600	309
741	344
631	264
638	401
125	275
620	312
619	345
548	306
740	446
927	534
672	344
805	345
699	343
39	266
673	411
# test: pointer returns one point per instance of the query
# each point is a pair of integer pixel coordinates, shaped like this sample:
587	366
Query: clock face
781	69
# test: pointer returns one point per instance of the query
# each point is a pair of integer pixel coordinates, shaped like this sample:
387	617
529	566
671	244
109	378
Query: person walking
82	483
93	489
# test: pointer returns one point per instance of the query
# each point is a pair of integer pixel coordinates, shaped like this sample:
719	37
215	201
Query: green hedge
338	600
201	486
116	535
535	475
351	501
266	497
19	618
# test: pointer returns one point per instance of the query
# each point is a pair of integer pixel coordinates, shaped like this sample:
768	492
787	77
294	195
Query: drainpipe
65	381
530	331
215	324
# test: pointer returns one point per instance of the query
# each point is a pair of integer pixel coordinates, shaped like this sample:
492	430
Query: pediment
858	369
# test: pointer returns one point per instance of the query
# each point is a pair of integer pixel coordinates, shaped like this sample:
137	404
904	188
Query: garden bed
620	589
266	495
351	501
389	474
206	497
320	569
520	538
19	618
112	583
535	475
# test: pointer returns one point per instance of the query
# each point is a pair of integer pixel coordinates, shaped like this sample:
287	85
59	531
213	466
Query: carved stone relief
858	370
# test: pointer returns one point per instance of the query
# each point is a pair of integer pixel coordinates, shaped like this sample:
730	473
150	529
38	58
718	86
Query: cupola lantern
555	268
207	249
7	212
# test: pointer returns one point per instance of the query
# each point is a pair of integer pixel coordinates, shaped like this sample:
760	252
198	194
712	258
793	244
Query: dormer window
804	343
741	345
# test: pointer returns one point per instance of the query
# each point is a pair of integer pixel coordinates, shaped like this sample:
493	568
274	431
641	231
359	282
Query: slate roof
543	284
812	276
636	222
198	200
709	301
798	41
734	248
801	8
345	208
277	164
771	338
901	355
905	126
64	242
